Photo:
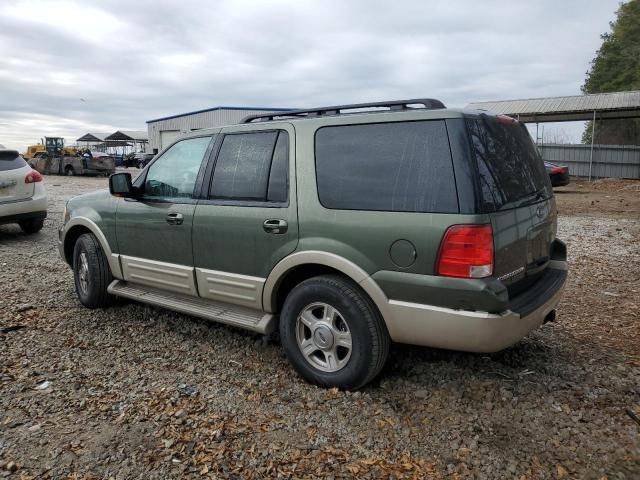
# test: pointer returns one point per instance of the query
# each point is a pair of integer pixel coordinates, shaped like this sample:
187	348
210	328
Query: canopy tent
598	106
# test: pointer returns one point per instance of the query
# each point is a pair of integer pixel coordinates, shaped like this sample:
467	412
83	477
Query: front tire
332	333
33	225
91	272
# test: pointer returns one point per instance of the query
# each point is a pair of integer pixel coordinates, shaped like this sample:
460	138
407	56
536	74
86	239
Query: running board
241	317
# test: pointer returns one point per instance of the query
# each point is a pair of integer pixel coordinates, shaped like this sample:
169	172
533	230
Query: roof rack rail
427	104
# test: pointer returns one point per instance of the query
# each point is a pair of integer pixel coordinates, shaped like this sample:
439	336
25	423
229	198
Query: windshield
511	172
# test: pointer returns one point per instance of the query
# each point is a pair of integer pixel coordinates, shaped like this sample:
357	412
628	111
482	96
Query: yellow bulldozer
50	147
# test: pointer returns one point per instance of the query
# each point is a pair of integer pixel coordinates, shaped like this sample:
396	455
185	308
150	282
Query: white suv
23	199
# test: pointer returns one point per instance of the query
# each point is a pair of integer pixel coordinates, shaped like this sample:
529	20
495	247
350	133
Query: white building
163	131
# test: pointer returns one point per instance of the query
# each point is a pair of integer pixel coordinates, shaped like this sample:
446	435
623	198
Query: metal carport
133	137
599	106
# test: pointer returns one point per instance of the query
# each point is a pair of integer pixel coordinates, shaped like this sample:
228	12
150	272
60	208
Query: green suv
345	227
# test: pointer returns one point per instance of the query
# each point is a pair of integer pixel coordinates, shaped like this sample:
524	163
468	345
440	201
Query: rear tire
69	171
33	225
91	273
343	337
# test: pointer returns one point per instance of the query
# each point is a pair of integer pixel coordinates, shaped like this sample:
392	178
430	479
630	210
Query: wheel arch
303	265
80	225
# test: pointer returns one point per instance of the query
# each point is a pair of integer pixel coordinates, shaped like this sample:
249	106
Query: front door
247	221
154	230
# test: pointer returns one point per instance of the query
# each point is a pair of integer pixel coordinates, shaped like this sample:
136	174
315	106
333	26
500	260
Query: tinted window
174	174
400	166
510	170
252	166
11	160
279	175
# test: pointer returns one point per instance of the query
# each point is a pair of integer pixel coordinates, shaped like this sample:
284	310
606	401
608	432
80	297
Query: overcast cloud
68	67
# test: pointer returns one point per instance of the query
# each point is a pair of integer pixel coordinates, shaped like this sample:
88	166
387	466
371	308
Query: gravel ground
137	392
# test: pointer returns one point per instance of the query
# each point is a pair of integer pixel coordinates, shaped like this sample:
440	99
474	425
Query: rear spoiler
6	154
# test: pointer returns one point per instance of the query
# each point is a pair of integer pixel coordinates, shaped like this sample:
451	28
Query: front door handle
175	219
275	226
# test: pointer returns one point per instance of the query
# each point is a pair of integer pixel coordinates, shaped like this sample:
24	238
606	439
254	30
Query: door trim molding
165	276
230	287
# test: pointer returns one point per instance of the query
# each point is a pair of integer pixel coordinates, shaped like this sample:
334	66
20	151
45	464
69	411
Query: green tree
616	67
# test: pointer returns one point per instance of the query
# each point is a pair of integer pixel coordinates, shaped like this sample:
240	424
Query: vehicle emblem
511	274
540	211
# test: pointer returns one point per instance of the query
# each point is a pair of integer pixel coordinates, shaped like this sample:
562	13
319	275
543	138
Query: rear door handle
275	226
175	219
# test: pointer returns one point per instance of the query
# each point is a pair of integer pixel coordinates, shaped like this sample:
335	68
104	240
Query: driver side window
173	175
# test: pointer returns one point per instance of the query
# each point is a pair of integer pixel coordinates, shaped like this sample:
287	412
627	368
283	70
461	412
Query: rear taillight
558	170
466	251
33	177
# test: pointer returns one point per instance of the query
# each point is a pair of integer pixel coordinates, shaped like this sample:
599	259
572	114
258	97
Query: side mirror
120	185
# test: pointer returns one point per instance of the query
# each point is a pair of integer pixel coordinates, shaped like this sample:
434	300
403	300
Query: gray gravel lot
99	394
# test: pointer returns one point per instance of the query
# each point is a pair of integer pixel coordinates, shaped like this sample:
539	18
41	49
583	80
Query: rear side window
252	167
510	170
396	167
11	160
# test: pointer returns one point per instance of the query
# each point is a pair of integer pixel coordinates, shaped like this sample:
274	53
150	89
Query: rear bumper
22	216
33	207
474	331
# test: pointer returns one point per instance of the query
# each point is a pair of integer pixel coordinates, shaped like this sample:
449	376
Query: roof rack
427	104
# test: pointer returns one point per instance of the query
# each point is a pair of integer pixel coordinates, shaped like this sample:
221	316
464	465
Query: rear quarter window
509	167
11	160
396	167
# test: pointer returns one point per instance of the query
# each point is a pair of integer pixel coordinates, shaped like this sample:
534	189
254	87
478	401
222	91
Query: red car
559	175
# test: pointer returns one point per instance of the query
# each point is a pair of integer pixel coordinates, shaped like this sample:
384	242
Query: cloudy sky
69	67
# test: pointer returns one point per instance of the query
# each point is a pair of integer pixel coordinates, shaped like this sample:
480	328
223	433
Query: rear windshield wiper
533	197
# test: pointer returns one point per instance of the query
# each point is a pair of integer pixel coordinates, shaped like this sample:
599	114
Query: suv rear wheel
91	272
332	333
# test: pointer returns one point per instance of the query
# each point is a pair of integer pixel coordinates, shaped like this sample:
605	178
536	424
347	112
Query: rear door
13	170
247	219
516	192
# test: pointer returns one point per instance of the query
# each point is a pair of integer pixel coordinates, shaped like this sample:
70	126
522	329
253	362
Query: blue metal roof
220	108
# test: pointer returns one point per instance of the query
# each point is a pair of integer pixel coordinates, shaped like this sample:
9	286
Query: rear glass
10	160
511	173
394	167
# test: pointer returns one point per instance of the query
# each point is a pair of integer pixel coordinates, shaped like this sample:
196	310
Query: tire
91	284
69	171
33	225
354	315
141	165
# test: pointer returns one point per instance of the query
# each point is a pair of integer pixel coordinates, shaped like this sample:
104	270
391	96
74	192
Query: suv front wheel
332	333
91	272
